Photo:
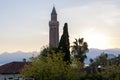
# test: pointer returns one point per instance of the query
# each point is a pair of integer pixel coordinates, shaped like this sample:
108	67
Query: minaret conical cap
53	11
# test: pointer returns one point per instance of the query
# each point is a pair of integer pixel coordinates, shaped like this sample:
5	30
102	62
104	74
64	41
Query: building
11	71
53	30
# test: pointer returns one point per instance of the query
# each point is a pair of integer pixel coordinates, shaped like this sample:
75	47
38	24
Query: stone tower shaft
53	30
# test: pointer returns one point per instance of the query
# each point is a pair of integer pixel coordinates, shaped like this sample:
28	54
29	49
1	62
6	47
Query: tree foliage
102	60
64	44
107	70
111	73
47	50
53	68
80	48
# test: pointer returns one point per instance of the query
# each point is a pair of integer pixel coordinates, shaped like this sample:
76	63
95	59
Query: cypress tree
64	44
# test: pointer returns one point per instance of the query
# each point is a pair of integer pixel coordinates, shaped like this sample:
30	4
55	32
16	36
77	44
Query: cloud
98	17
97	14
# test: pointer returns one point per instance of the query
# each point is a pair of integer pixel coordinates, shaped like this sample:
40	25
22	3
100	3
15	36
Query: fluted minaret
53	30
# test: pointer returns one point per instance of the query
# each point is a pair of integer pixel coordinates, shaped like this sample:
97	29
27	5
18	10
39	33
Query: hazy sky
24	23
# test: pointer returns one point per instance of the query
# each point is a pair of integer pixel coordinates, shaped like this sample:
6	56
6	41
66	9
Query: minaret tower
53	30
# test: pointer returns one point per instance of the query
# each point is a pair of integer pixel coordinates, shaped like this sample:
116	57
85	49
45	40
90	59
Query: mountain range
19	55
16	56
93	53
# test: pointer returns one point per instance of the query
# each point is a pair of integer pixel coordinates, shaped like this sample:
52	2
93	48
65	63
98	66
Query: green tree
91	60
47	50
53	68
64	44
115	60
80	48
112	72
102	60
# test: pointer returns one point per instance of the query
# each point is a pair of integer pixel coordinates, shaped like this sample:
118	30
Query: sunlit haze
24	23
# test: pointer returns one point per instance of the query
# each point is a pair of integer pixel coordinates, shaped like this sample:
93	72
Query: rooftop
12	68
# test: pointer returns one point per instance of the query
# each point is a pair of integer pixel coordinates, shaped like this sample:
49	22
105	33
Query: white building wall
11	77
1	77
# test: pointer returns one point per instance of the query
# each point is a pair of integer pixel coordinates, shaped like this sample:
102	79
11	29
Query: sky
24	23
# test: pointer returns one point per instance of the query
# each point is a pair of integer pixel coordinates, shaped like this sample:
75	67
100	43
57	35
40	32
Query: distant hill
16	56
93	53
19	55
96	52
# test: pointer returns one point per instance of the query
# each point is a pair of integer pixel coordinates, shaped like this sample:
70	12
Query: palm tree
80	48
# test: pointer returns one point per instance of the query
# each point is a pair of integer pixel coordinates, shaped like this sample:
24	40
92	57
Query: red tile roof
12	68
